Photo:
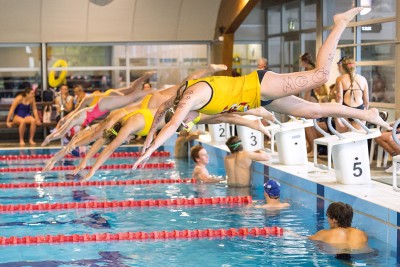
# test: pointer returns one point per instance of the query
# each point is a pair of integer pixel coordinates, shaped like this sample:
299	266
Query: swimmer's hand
148	143
88	175
141	160
80	167
50	164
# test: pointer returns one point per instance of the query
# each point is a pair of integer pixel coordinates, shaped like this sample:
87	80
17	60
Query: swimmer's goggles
113	131
185	126
234	146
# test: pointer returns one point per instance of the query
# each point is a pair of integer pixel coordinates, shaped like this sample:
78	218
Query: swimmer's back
351	237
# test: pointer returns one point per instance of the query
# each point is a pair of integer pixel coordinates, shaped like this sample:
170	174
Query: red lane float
162	165
97	183
113	155
126	204
132	236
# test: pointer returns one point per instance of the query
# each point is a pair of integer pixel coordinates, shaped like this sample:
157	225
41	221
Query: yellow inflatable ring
53	82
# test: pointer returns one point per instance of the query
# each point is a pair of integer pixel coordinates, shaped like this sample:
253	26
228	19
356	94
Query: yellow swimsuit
148	118
231	94
145	102
98	95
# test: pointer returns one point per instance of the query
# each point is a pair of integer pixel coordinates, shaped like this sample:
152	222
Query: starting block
349	152
291	140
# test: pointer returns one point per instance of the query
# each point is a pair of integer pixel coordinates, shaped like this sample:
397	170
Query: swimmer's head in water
341	212
234	144
110	134
273	189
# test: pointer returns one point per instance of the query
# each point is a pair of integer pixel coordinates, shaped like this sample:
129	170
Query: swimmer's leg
295	106
275	85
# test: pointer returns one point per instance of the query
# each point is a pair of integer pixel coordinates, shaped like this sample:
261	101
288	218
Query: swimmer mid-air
218	94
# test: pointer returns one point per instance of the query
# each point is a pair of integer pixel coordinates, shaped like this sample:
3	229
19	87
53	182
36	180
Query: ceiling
120	21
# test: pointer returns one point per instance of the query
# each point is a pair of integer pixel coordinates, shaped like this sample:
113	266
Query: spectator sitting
272	193
341	235
80	94
388	144
238	164
65	99
21	113
200	157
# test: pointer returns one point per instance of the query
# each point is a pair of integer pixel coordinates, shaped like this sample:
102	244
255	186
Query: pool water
286	250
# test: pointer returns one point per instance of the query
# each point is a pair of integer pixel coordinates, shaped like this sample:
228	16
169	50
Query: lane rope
132	236
125	204
96	183
161	165
69	156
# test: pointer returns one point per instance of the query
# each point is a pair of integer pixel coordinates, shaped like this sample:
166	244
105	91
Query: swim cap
272	188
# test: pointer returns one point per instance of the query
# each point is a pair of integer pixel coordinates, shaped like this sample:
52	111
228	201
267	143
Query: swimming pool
286	250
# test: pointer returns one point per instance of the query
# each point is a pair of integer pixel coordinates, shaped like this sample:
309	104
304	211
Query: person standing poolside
352	88
237	165
341	235
272	194
200	157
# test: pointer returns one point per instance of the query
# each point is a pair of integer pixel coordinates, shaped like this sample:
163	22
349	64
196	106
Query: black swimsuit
261	74
354	98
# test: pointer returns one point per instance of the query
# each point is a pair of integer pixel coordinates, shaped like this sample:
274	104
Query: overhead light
221	33
101	2
366	4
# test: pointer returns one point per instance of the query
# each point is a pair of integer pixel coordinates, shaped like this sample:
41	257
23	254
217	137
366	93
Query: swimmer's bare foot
346	17
149	73
310	154
217	67
373	117
32	142
21	143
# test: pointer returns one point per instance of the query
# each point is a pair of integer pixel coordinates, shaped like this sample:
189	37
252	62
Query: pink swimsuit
94	114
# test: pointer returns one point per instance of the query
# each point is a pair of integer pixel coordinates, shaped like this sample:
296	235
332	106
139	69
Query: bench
9	133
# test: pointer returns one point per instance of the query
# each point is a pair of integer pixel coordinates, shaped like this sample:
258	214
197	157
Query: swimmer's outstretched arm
83	104
234	119
58	156
92	151
123	134
158	117
136	84
185	105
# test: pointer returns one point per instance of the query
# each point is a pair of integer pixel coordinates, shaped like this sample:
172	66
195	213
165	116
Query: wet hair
234	144
194	152
341	212
171	111
308	59
349	66
110	134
